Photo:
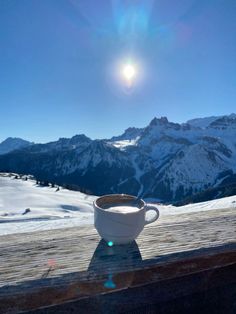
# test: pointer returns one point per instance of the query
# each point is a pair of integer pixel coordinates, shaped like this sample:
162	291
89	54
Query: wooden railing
179	261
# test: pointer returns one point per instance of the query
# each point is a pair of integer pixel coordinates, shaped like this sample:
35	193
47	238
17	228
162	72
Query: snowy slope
124	143
52	210
221	203
48	208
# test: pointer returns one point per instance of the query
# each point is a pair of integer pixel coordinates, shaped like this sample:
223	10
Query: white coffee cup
117	227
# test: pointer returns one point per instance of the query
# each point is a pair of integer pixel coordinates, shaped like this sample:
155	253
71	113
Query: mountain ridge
165	160
12	143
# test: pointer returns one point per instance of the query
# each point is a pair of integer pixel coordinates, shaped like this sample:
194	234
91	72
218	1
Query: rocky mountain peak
159	121
79	138
130	133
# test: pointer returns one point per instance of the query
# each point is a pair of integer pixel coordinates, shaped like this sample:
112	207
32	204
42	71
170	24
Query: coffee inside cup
120	203
122	209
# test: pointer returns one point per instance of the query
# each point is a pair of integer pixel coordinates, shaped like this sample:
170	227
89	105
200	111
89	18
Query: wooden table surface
68	264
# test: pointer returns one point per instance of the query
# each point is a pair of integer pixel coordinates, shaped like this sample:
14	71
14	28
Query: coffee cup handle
152	207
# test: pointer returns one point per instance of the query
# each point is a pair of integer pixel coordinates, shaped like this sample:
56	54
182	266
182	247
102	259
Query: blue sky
59	64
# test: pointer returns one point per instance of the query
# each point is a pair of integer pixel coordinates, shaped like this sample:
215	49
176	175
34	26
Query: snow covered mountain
205	122
164	160
129	134
12	143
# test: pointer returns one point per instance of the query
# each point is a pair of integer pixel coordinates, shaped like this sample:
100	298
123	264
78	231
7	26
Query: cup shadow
110	261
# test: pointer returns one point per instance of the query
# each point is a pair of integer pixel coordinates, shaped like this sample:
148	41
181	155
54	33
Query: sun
129	72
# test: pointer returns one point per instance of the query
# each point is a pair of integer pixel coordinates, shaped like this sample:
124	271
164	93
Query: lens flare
109	283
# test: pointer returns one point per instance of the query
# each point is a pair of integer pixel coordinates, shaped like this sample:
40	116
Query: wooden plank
210	291
73	263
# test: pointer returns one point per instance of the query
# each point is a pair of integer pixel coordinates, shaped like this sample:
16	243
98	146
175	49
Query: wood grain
67	264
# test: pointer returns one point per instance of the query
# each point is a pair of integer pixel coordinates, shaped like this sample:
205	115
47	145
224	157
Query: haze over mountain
12	143
164	160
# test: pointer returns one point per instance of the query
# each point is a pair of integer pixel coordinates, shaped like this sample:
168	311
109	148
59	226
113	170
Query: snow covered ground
51	209
48	209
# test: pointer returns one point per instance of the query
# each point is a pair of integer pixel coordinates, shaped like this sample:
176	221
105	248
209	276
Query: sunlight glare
129	73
